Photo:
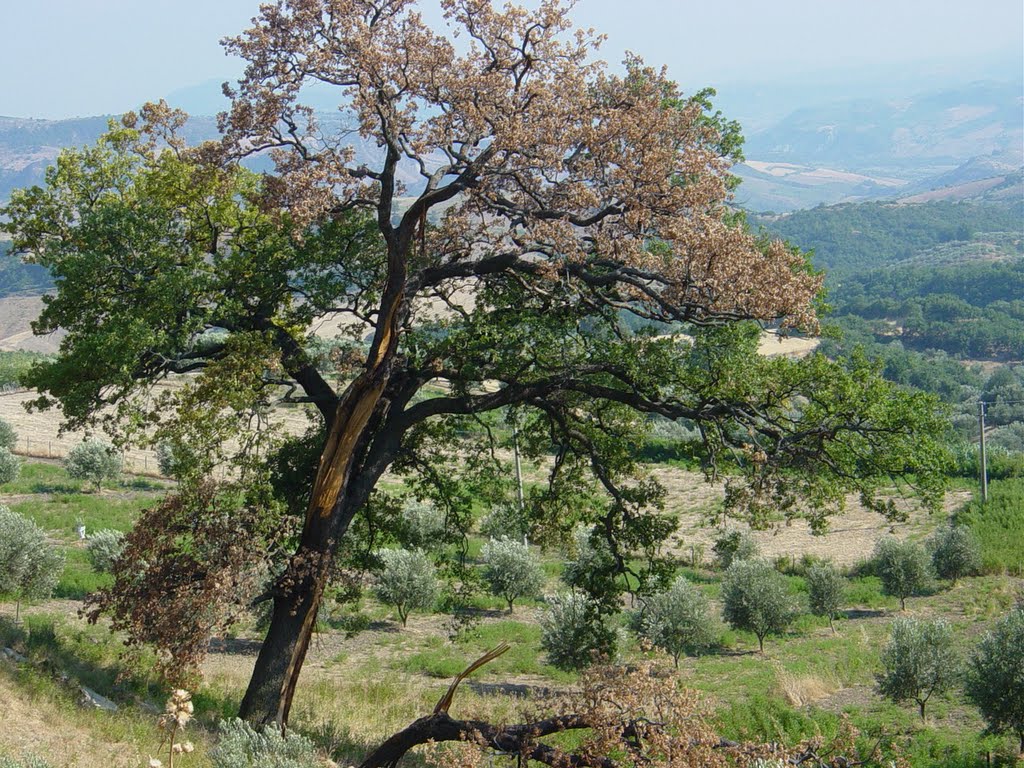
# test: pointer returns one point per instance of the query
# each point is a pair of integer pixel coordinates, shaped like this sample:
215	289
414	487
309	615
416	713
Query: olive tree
994	678
574	632
10	466
407	581
955	552
506	211
734	545
904	568
918	661
825	589
511	570
30	566
678	620
755	597
8	436
103	548
94	462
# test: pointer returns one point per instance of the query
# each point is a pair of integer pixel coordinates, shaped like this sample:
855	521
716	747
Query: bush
918	661
407	582
825	588
677	620
93	461
998	525
8	437
103	548
505	520
734	545
174	460
242	746
755	598
26	761
29	566
423	525
511	570
10	466
904	568
592	568
994	679
955	553
574	633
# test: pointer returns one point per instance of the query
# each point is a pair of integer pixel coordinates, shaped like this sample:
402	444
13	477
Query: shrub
998	525
505	520
955	553
678	620
994	679
423	525
407	582
29	566
825	589
592	568
10	466
574	633
26	761
8	437
93	461
754	597
918	661
511	570
734	545
904	568
174	460
242	746
103	548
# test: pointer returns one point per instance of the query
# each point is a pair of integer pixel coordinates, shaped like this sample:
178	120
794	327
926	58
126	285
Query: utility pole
984	462
519	470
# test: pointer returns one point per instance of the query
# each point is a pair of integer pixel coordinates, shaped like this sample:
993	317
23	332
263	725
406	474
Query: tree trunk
920	705
268	698
760	644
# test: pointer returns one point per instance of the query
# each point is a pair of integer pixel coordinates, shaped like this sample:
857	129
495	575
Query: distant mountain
874	149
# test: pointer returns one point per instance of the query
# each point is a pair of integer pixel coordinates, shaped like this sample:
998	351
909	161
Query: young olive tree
30	566
755	597
678	620
511	570
955	553
8	436
574	632
904	568
407	581
918	661
994	678
825	588
94	462
548	205
10	466
734	545
103	548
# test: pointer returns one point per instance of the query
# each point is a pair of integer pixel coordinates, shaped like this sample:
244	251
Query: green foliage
8	437
734	545
904	568
407	581
678	620
511	570
423	525
242	746
998	525
574	633
173	459
504	519
918	661
29	566
755	597
955	553
994	678
825	591
103	548
10	467
592	568
94	462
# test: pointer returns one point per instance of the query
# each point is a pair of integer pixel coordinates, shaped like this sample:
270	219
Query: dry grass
800	690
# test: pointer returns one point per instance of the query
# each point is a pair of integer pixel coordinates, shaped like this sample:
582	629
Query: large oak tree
521	211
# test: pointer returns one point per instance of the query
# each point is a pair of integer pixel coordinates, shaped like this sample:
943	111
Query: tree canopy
519	208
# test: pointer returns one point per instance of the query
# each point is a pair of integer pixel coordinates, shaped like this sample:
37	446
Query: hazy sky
64	58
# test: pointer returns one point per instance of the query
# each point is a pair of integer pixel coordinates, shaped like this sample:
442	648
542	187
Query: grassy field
359	687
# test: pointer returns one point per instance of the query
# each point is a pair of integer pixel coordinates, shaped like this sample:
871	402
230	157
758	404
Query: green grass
59	513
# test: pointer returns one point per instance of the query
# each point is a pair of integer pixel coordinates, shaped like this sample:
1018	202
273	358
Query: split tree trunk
268	698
